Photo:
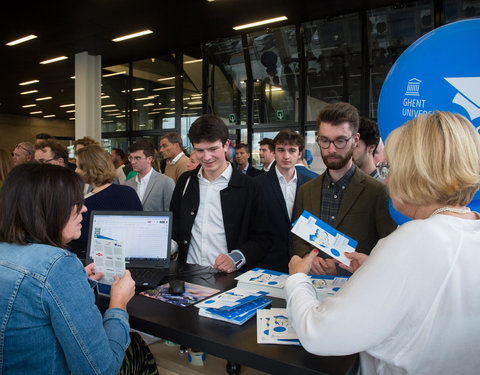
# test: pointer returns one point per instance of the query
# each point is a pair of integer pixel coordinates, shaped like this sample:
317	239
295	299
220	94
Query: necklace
451	209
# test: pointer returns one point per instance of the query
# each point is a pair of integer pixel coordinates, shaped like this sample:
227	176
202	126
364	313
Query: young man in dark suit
280	185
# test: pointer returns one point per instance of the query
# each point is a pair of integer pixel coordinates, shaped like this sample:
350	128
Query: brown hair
338	113
36	201
6	164
290	137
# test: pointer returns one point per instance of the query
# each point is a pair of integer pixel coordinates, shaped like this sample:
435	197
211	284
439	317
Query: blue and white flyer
324	237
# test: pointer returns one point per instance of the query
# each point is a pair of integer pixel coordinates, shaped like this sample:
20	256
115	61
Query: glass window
227	77
311	146
114	103
275	65
333	52
257	137
459	9
391	32
153	93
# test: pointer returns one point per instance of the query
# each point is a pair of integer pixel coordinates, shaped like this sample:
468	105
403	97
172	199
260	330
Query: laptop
146	238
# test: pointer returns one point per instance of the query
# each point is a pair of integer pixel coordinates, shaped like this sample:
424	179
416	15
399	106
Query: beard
341	162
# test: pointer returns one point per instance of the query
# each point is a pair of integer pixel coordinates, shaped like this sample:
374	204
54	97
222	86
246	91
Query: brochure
260	279
230	299
193	293
324	237
237	315
273	327
109	258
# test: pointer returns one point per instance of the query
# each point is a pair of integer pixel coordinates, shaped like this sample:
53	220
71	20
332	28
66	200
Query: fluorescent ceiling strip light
47	116
114	74
258	23
164	88
21	40
195	103
165	79
71	111
72	77
169	113
36	112
29	105
148	104
28	92
134	35
147	97
108	105
67	105
111	110
29	82
120	116
59	58
104	97
44	98
193	61
137	89
72	118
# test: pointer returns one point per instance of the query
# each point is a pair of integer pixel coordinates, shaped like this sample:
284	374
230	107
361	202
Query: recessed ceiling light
164	88
28	92
165	79
148	104
29	105
55	59
114	74
72	118
111	110
44	98
108	105
71	111
72	77
47	116
21	40
262	22
104	97
29	82
169	113
36	112
134	35
193	61
147	97
67	105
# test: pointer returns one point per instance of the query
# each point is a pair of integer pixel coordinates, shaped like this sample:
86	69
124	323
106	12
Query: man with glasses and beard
343	196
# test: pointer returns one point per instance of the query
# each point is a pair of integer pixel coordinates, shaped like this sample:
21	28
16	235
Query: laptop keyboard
147	277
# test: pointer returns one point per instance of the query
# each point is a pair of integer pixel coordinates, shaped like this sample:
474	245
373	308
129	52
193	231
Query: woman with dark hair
96	168
49	321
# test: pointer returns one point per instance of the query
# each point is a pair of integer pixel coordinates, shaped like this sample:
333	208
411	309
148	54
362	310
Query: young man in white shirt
280	186
219	213
154	189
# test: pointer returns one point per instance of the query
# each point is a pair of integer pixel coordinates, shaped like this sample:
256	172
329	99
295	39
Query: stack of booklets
273	327
234	306
272	282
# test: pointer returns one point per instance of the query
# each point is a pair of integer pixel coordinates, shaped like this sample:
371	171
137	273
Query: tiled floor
171	362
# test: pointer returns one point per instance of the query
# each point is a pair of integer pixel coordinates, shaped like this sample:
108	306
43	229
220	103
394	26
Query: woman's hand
122	291
90	270
304	264
356	260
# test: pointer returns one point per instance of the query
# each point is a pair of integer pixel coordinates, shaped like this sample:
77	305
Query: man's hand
90	270
302	265
356	260
224	263
322	266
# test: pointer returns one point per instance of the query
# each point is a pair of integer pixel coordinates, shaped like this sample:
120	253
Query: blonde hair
434	158
96	165
6	164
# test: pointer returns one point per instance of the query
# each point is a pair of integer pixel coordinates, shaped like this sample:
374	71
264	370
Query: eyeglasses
24	148
338	142
383	168
43	161
136	158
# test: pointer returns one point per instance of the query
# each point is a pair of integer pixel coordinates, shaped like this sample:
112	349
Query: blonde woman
96	168
412	306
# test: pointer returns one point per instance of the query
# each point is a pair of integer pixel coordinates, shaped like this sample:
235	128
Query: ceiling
69	27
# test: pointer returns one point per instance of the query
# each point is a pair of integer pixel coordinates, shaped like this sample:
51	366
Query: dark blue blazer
306	172
279	224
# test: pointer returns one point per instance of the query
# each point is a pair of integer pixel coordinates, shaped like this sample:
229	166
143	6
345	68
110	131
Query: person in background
412	306
242	154
23	153
302	168
96	168
42	137
363	153
171	148
83	142
51	324
192	161
6	164
51	152
267	154
117	156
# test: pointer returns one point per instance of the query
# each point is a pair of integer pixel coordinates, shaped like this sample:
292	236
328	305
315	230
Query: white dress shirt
289	190
142	184
266	168
176	158
208	232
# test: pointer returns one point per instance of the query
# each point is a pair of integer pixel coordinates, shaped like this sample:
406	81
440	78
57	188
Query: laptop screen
146	235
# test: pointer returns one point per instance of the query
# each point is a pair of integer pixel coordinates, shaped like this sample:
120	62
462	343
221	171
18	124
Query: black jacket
244	215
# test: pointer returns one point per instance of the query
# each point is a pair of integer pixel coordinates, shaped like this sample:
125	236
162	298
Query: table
235	343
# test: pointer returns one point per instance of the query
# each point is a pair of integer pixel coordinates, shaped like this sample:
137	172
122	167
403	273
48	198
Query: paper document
109	258
324	237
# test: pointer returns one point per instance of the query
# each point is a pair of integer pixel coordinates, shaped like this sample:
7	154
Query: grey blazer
158	192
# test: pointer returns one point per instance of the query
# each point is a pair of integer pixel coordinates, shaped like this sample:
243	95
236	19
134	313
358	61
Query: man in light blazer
154	189
343	196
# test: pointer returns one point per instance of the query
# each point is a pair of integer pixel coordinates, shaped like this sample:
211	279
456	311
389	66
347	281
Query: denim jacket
49	321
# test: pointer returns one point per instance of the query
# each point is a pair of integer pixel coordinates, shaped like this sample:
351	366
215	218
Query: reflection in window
114	103
460	9
275	67
333	52
311	147
153	93
391	32
227	77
